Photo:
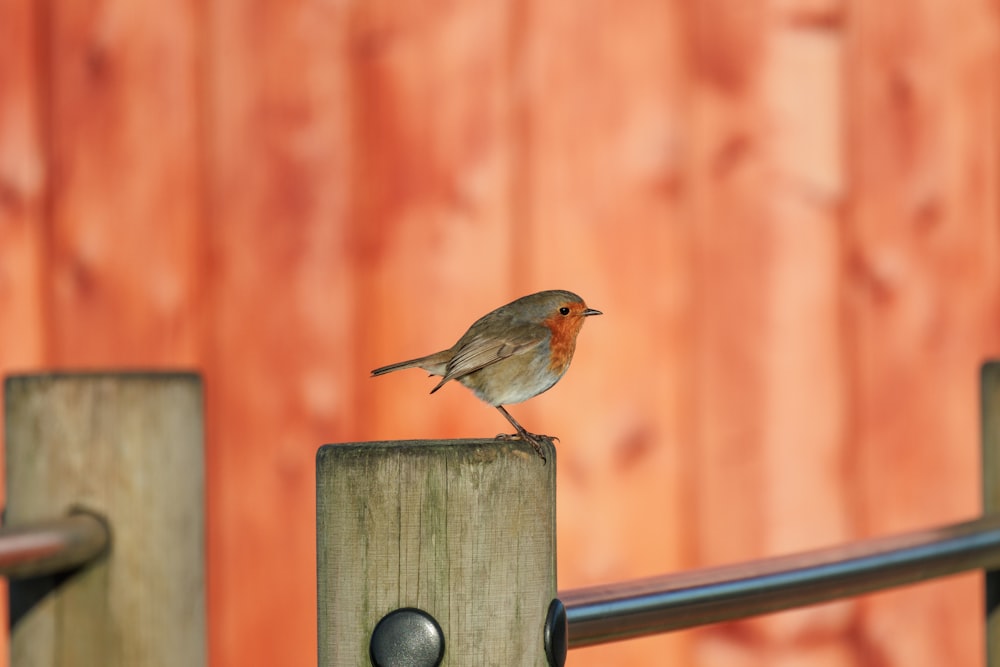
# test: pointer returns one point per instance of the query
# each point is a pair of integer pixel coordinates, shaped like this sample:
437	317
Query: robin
511	354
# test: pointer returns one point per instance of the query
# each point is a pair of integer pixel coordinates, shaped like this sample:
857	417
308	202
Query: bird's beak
591	311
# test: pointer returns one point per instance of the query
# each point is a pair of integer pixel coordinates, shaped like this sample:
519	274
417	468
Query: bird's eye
564	311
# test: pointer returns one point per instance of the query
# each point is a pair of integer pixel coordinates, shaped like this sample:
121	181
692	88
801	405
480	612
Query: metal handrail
49	547
614	612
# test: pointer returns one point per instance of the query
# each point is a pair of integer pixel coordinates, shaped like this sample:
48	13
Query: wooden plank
22	188
433	239
280	320
122	106
922	244
768	179
462	529
358	153
601	209
129	448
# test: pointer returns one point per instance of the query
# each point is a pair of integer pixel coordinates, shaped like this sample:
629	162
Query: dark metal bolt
407	637
556	634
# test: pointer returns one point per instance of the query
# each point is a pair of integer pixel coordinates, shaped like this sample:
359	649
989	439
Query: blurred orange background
787	211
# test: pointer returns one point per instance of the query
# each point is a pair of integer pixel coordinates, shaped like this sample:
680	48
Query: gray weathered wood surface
990	409
130	448
462	529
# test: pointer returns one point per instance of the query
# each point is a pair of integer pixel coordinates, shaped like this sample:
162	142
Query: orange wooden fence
788	212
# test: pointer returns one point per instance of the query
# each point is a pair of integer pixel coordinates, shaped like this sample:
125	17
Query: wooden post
990	415
461	529
129	448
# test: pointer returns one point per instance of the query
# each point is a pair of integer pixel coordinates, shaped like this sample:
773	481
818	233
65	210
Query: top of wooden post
463	530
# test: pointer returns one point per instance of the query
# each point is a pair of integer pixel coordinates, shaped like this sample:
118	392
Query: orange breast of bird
563	342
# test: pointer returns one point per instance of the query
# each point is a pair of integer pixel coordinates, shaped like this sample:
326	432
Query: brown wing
483	350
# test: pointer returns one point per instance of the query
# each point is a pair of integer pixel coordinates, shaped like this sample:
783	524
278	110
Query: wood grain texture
125	199
432	240
22	188
129	448
770	382
922	242
462	529
279	338
602	213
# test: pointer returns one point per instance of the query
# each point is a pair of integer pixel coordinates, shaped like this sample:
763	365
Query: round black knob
407	637
556	634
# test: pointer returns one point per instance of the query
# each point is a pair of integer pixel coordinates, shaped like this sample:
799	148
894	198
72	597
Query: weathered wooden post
127	447
990	416
458	533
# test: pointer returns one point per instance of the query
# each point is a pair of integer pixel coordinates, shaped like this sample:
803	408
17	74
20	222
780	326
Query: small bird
511	354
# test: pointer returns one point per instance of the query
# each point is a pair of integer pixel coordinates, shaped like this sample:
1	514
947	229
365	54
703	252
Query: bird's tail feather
432	363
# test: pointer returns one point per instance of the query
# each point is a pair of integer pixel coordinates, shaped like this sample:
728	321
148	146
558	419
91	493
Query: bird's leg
535	440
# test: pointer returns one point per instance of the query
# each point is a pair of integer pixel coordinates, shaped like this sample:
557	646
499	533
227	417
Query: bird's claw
536	440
